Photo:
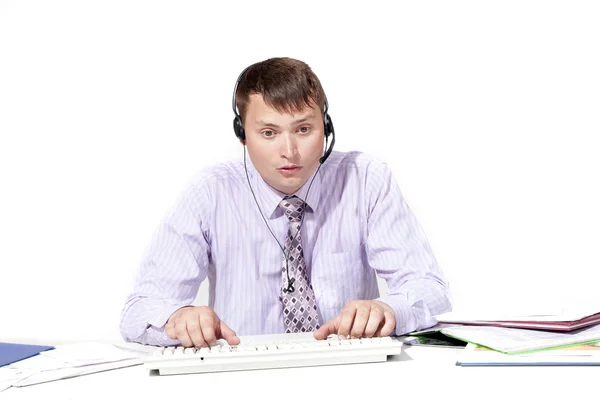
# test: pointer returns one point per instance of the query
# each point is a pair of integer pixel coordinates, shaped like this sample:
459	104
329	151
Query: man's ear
243	142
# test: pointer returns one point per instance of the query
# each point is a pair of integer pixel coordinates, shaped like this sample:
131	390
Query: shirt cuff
158	337
405	318
159	315
409	318
155	333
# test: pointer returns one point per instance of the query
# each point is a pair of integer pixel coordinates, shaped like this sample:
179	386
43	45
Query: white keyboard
271	351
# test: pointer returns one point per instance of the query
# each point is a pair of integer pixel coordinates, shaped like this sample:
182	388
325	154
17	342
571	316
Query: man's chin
289	185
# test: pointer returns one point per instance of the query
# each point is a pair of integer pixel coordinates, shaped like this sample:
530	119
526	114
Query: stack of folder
563	338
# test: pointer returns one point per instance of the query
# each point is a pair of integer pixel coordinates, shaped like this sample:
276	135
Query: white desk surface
418	373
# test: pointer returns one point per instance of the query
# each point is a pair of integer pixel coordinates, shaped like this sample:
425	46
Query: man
291	240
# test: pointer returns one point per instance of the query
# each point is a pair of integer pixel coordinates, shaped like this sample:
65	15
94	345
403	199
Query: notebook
13	352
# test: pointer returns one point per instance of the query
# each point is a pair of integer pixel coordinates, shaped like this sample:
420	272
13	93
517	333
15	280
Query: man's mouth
289	170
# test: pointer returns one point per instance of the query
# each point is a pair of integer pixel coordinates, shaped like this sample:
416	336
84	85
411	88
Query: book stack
562	338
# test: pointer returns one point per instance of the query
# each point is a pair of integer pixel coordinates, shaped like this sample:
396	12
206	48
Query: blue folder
13	352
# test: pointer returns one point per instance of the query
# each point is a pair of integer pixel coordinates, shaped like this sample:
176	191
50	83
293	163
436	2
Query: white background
487	113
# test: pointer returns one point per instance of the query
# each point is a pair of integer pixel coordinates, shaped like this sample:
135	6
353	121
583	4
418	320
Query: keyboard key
225	349
178	351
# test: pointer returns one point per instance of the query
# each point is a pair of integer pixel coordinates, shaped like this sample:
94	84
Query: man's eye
268	133
304	129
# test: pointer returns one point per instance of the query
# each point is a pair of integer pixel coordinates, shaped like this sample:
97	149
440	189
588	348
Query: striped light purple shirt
356	225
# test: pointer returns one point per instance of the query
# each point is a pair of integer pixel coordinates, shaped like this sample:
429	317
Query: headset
238	128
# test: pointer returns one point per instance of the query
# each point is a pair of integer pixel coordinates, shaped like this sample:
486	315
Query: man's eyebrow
298	121
301	120
269	124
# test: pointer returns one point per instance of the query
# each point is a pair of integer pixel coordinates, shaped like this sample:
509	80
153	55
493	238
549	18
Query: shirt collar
270	197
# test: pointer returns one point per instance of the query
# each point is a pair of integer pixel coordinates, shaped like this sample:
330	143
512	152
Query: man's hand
198	327
360	318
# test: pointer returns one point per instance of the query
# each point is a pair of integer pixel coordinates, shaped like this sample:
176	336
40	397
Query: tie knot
293	208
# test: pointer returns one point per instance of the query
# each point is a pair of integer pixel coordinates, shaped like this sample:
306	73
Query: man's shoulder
230	170
354	161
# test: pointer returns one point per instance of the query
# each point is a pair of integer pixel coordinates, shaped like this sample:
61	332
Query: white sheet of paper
74	355
88	353
40	362
64	373
10	376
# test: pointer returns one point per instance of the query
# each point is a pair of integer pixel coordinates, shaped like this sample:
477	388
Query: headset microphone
290	287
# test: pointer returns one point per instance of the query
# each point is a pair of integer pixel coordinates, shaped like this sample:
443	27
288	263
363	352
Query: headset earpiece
329	131
238	128
328	125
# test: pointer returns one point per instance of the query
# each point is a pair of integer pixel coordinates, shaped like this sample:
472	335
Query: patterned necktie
299	306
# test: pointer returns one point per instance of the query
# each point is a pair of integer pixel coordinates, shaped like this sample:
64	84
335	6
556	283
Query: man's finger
195	332
346	320
375	321
327	329
228	334
182	335
360	321
207	324
390	324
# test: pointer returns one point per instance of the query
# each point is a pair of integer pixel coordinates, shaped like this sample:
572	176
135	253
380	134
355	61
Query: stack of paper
66	361
9	377
564	337
515	341
477	356
564	320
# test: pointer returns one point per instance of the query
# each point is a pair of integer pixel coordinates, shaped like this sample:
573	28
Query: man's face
284	148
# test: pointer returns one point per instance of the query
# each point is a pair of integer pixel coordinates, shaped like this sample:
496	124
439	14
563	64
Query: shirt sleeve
400	254
172	268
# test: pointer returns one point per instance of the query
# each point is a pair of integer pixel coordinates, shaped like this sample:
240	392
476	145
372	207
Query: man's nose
288	147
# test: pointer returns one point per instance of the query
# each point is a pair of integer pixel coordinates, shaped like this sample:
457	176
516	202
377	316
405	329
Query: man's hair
286	84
